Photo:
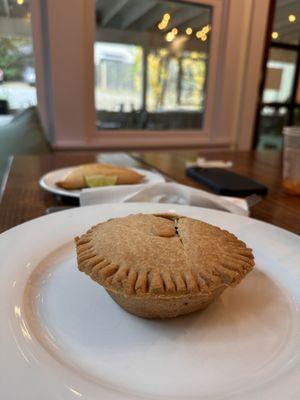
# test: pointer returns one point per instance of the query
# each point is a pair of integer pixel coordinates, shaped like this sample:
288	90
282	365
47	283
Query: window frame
168	137
66	89
291	105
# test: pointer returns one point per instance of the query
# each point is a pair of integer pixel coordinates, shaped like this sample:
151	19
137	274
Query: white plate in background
48	181
63	337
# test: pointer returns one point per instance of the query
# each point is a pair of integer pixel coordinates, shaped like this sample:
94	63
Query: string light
189	31
20	2
170	37
292	18
164	22
275	35
202	34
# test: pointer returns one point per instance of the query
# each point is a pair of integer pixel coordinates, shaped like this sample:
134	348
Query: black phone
227	183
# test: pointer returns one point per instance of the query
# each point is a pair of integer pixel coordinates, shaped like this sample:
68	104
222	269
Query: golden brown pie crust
158	266
75	179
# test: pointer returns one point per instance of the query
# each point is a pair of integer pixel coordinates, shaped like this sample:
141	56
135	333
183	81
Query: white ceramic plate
48	180
63	337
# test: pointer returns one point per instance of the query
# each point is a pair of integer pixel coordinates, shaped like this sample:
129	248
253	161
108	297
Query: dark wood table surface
23	199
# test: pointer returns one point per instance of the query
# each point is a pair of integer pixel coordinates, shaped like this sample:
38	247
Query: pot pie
159	266
98	174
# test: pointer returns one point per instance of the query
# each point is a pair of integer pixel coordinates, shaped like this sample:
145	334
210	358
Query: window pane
280	75
151	64
286	25
297	116
117	77
272	120
17	74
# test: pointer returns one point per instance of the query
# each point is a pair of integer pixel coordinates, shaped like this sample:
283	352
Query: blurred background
147	74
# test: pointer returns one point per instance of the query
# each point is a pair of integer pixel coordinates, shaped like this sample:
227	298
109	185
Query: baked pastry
77	177
158	266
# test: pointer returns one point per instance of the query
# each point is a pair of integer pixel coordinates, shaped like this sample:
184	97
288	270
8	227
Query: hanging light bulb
292	18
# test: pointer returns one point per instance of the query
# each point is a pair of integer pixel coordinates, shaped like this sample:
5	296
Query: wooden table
23	199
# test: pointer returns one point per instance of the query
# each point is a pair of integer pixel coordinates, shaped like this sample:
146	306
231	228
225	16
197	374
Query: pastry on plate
98	174
158	266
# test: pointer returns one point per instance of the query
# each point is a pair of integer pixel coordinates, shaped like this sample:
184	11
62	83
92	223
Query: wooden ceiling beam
135	11
111	10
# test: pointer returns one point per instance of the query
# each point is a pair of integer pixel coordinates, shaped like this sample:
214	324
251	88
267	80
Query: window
148	73
280	100
17	73
151	64
117	82
281	67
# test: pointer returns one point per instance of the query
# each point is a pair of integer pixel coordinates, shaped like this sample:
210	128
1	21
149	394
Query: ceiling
145	15
288	32
14	8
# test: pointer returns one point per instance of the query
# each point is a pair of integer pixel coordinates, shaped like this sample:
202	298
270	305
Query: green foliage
167	85
137	69
12	58
158	75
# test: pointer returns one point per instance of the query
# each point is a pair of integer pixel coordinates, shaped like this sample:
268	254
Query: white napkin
166	192
202	162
